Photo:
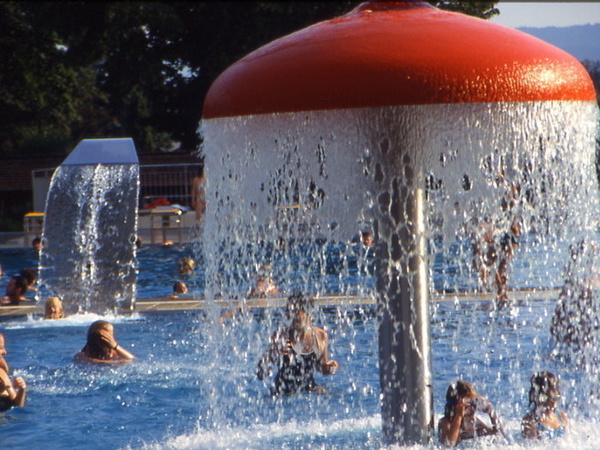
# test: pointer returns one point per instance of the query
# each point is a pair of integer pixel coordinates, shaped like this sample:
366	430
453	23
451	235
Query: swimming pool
193	384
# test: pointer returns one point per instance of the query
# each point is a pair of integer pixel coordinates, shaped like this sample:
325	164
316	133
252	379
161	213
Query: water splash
295	191
88	257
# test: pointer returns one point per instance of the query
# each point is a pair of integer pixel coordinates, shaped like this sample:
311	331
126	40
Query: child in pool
53	309
544	421
459	421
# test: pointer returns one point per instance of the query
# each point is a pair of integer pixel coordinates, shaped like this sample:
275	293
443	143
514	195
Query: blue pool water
193	383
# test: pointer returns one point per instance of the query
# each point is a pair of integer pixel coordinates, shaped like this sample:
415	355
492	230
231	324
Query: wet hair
53	301
455	392
30	275
187	265
21	283
541	383
298	302
179	287
95	346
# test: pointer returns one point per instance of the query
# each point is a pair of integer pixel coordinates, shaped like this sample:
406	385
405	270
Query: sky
547	14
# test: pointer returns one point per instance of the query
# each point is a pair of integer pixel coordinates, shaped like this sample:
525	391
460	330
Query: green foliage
84	69
483	10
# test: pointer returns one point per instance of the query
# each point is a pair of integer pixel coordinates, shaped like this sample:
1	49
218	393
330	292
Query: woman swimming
544	421
459	421
299	349
101	346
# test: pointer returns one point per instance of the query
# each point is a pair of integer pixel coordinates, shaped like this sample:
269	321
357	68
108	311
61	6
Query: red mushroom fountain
375	94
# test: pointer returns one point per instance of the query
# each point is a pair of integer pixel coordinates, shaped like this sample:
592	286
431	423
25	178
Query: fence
171	181
160	185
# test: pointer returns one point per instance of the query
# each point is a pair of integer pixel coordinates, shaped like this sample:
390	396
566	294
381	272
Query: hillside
581	41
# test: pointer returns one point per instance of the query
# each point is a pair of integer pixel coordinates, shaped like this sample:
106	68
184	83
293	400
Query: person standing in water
298	350
198	195
459	421
101	346
12	393
544	421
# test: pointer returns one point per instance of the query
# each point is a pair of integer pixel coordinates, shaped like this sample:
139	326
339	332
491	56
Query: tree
77	69
42	95
483	10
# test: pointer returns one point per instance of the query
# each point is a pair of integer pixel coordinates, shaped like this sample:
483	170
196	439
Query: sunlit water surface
181	393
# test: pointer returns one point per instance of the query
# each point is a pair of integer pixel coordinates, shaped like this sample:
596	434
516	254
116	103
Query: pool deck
190	304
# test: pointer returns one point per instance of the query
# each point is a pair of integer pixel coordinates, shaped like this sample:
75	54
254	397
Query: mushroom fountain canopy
457	90
397	53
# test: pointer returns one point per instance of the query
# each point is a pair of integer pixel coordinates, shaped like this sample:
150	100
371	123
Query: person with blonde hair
459	421
544	421
186	265
101	346
53	309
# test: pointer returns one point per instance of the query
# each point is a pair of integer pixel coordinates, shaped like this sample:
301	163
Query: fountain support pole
400	58
404	332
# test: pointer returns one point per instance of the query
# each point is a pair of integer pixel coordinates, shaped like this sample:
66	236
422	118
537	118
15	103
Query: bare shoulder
564	417
320	332
82	357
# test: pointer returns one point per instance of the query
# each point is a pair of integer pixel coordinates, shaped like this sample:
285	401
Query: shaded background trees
75	70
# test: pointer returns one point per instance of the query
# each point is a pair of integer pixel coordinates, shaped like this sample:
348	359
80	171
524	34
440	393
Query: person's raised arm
119	351
449	430
16	389
327	366
485	406
20	388
123	354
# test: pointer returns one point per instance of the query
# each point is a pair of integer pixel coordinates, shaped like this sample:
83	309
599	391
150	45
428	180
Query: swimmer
15	290
101	346
12	393
544	421
186	266
30	275
36	244
53	309
179	288
459	421
198	195
264	284
298	350
367	239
